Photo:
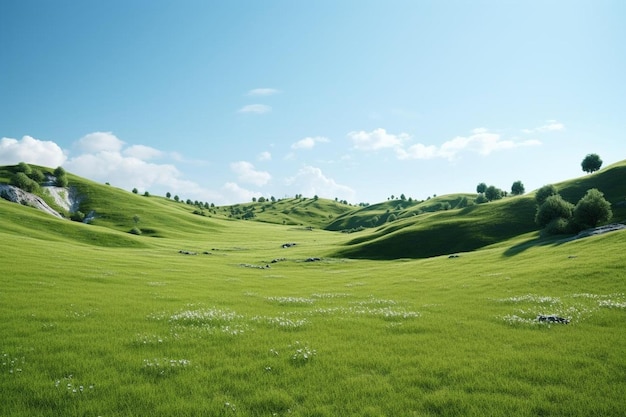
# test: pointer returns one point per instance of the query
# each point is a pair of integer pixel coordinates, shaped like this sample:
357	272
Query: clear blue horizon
356	100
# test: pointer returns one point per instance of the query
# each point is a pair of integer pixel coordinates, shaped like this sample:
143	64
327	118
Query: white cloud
481	141
234	193
263	92
99	141
311	181
31	151
550	126
255	108
309	142
377	139
143	152
264	156
246	173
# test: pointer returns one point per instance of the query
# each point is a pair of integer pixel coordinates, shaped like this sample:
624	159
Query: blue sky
356	100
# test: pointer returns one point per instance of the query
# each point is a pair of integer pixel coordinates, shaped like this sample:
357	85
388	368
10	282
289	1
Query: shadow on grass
539	241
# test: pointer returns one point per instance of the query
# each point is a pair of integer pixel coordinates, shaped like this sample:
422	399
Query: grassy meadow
96	321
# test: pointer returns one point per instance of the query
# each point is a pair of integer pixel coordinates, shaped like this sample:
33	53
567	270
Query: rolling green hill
389	230
205	313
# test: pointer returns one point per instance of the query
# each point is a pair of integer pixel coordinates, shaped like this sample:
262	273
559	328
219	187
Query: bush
24	167
481	199
135	231
21	180
552	209
37	176
591	210
78	216
545	192
558	226
493	193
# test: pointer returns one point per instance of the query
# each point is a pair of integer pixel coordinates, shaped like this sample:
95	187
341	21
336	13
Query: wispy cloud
143	152
376	139
255	108
309	142
246	173
550	126
263	92
480	141
264	156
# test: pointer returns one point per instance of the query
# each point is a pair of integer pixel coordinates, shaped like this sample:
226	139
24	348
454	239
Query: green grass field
99	322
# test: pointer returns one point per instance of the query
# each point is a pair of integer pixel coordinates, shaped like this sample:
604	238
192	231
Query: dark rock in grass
254	266
278	260
288	245
186	252
312	259
453	256
552	318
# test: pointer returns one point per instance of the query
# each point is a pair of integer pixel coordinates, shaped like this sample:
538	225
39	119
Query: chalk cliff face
64	197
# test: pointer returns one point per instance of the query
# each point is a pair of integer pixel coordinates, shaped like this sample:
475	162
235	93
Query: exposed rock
17	195
186	252
552	319
312	259
288	245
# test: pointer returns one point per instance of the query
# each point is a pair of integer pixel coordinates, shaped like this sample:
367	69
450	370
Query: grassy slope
92	305
83	315
460	230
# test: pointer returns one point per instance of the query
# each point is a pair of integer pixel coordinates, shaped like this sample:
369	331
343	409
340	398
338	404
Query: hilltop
393	229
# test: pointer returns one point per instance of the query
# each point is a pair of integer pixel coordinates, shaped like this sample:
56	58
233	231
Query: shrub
545	192
481	199
558	226
135	231
24	167
591	210
21	180
552	209
78	216
481	188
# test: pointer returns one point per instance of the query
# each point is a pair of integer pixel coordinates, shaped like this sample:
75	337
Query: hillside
388	230
477	226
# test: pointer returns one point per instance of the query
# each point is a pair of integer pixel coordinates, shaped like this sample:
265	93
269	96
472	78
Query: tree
517	188
135	191
168	194
481	188
176	198
146	194
591	163
553	208
493	193
591	210
544	192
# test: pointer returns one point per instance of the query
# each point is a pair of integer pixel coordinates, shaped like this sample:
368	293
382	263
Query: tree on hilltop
481	188
591	163
493	193
517	188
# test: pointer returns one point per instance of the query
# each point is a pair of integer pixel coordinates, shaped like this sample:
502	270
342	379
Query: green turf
99	322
